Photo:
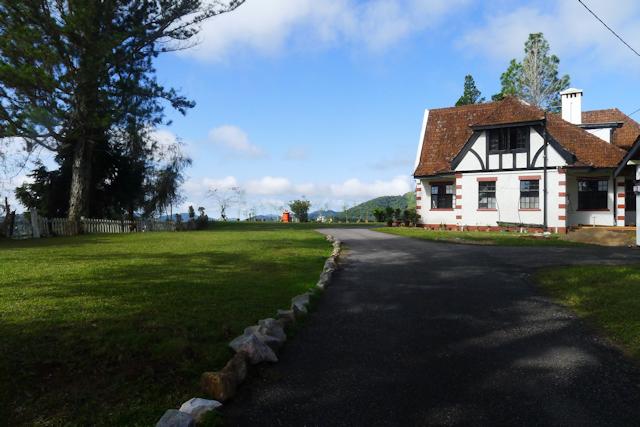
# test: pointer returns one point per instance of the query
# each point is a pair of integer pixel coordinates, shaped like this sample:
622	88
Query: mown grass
114	329
498	238
608	297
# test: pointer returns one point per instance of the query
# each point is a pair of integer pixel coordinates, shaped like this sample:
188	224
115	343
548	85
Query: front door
629	203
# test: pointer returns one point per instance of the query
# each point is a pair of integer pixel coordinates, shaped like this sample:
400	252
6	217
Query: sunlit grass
114	329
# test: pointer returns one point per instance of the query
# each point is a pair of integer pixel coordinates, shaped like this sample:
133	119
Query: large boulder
175	418
198	407
257	350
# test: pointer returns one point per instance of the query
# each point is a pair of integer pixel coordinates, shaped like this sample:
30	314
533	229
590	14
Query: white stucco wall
577	217
508	199
435	217
467	213
602	133
471	163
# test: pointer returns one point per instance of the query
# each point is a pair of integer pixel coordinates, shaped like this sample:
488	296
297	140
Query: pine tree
471	94
535	79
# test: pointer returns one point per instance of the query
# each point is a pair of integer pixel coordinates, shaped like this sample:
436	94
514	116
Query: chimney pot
572	105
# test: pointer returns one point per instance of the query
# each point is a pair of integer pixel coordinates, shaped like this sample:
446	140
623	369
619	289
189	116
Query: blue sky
325	98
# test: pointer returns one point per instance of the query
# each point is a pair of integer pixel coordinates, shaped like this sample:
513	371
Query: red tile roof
623	137
448	129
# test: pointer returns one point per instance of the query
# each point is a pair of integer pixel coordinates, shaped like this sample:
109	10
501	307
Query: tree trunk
80	181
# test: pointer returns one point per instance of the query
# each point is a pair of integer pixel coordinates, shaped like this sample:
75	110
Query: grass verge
606	296
478	237
114	329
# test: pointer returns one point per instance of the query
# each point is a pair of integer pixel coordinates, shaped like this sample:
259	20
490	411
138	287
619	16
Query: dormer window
508	139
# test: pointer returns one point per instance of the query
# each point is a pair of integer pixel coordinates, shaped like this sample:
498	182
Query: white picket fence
51	227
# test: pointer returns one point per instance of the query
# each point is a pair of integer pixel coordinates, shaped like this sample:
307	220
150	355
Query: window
629	195
442	196
529	194
487	195
508	139
592	193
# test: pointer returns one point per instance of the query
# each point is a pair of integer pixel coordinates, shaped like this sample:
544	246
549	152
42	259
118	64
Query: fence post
35	226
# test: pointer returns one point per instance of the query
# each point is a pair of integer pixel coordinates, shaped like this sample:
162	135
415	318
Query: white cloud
571	31
270	185
356	189
267	27
235	140
297	153
281	188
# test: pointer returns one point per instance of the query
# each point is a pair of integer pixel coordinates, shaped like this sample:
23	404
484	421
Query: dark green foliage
366	210
471	94
379	215
536	79
202	222
301	209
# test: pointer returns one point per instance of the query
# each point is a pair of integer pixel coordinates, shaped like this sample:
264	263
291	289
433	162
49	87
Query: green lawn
114	329
608	297
500	238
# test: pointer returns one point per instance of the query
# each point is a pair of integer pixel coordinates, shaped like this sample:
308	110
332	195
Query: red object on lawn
286	216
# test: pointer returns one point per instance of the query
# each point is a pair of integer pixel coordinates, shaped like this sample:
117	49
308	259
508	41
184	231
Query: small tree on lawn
202	220
226	197
379	215
300	208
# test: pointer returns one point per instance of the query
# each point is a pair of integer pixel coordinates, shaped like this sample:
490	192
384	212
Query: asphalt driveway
419	333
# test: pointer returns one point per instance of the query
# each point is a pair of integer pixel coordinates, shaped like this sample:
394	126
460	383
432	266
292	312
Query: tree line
77	79
535	79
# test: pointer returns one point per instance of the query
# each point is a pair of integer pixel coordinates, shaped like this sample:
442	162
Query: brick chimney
572	105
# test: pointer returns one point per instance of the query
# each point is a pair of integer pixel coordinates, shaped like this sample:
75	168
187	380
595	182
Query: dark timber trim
630	154
535	156
566	155
482	165
508	125
465	149
601	125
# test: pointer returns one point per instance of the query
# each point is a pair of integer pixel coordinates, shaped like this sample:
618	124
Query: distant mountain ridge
365	209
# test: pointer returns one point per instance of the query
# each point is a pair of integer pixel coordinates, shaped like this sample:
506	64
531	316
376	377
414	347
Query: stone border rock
258	343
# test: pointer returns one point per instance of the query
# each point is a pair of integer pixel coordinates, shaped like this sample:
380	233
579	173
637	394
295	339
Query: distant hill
365	209
268	217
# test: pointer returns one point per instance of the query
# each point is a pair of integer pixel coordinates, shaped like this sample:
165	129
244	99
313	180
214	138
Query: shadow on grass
126	337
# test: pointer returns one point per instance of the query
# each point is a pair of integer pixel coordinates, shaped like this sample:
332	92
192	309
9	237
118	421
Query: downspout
544	168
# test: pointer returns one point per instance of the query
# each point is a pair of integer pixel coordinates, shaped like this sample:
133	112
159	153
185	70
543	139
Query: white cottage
508	164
